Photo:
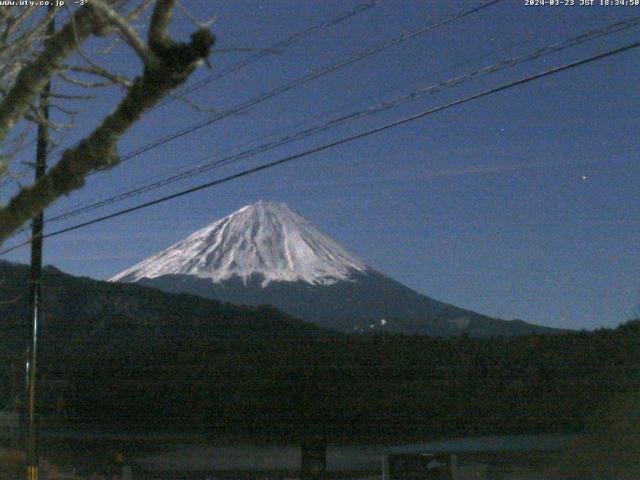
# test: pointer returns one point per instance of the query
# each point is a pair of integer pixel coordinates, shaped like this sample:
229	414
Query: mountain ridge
87	314
267	238
370	304
266	253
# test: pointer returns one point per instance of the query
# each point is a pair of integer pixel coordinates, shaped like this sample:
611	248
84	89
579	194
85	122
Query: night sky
522	204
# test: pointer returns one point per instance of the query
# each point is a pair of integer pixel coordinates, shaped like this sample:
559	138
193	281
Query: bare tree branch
16	22
98	150
63	96
160	20
70	113
139	10
35	117
33	77
128	34
81	83
104	73
196	21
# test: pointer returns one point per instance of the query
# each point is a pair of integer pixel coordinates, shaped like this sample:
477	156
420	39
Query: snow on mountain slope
266	238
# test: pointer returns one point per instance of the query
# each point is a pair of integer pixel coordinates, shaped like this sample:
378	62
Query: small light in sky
583	178
383	321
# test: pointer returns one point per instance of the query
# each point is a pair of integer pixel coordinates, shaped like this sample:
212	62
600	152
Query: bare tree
30	58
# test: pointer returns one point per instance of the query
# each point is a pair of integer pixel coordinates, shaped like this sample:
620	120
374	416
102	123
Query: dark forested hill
130	357
348	387
85	315
366	303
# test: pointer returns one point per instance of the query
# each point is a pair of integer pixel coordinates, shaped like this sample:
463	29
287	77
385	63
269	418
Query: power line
253	58
268	51
221	115
273	48
142	186
303	80
342	141
513	61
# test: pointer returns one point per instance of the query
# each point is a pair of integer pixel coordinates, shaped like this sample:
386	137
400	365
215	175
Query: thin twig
128	34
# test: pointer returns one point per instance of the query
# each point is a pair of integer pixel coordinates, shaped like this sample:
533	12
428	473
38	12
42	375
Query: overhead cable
366	133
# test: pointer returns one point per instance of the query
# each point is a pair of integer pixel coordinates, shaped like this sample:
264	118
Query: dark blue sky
522	204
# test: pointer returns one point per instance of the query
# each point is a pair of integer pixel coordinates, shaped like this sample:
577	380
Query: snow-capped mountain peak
267	239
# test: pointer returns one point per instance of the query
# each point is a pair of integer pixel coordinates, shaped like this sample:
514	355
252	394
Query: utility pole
34	278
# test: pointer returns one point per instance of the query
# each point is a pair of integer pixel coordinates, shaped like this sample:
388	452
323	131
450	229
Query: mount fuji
266	253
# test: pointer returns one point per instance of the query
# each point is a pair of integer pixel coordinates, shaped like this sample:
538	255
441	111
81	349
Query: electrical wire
517	60
268	51
295	37
351	138
139	186
303	80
